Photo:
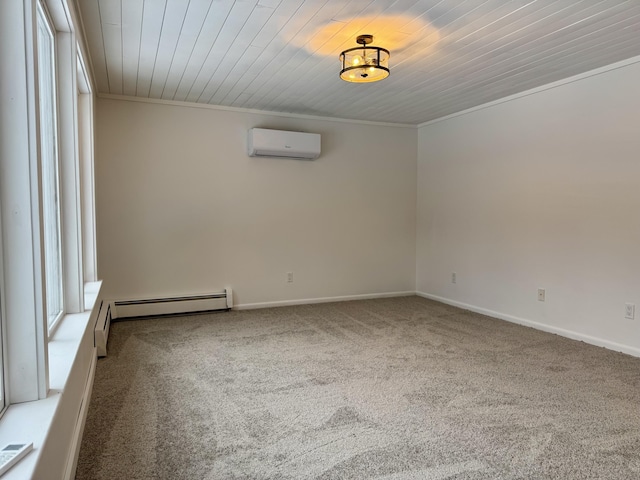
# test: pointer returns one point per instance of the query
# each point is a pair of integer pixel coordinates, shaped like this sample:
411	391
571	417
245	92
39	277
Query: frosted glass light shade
364	64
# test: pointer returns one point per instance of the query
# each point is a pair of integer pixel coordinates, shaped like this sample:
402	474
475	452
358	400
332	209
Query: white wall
182	209
540	191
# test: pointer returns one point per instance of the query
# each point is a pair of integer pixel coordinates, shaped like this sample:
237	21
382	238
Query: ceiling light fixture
366	63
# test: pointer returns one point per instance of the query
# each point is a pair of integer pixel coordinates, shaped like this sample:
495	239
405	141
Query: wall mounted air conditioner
264	142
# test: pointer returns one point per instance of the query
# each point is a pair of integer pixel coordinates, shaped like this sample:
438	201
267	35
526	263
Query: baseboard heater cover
101	333
173	305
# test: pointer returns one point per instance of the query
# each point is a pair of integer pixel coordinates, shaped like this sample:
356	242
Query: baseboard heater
173	305
121	309
102	328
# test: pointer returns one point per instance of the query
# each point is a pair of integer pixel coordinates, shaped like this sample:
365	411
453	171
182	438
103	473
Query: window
42	271
49	169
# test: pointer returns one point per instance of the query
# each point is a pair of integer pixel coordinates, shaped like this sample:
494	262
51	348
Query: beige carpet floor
388	389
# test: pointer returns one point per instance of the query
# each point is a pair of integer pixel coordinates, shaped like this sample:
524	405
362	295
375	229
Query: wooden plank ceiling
282	55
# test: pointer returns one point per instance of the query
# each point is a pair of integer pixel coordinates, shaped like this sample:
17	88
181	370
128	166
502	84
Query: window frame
22	283
42	14
24	308
87	173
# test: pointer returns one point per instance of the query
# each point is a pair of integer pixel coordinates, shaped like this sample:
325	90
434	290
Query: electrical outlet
289	277
541	293
629	311
453	277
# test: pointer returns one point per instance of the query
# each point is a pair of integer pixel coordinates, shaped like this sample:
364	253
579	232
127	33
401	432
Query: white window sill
29	422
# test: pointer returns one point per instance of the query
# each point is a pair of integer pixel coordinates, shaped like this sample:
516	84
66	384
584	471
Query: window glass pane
49	165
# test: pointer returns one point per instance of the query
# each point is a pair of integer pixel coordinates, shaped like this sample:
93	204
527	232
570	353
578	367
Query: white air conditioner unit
264	142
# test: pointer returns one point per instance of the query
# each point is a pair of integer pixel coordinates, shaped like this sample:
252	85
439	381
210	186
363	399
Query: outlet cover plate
629	311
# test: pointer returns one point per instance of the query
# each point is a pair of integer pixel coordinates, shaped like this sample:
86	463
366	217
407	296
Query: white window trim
42	11
71	217
33	421
24	305
70	177
87	183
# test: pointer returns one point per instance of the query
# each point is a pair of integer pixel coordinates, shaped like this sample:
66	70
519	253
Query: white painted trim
538	326
309	301
34	421
87	186
128	98
101	330
526	93
76	441
23	300
69	173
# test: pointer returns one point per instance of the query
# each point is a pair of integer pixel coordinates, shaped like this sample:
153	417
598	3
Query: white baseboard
74	451
308	301
538	326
